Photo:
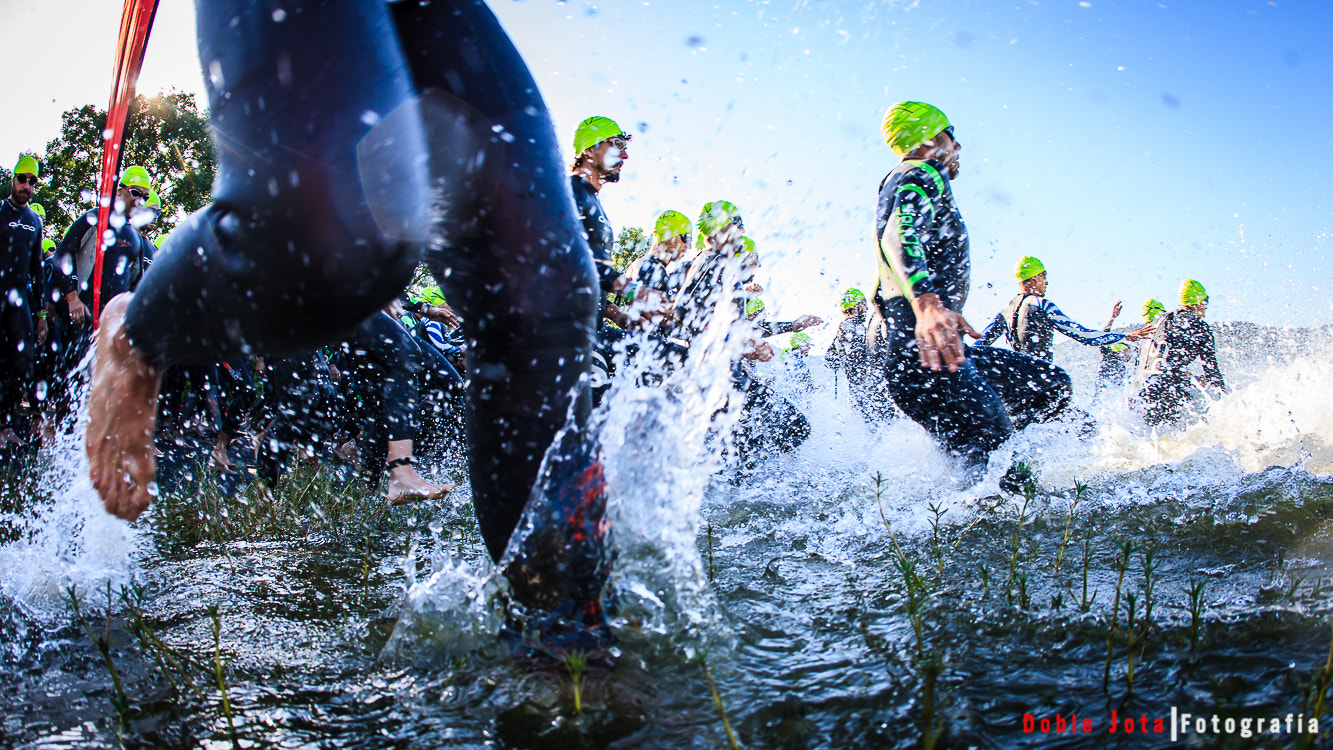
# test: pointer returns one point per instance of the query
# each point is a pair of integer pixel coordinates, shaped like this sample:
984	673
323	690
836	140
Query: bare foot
219	459
122	411
407	486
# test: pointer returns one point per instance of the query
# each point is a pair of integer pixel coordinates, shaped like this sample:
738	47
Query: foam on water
71	542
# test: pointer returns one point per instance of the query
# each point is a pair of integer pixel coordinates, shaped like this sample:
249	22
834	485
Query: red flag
135	23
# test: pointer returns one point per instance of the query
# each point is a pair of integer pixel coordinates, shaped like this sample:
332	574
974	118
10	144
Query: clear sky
1129	145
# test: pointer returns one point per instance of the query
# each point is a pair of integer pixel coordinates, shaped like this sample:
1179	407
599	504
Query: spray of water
72	541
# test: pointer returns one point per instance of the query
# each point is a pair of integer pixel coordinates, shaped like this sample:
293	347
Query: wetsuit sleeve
910	216
783	327
765	329
36	277
1075	331
993	331
63	283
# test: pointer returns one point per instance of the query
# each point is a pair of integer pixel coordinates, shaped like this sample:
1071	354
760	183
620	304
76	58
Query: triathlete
355	133
661	268
1030	320
970	399
600	151
1113	369
74	268
1182	336
850	352
22	317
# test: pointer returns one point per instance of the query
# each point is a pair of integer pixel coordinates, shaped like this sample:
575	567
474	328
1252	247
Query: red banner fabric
135	22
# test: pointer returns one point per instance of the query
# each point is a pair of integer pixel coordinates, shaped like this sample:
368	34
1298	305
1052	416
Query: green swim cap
671	224
1192	293
154	201
753	307
27	165
433	296
851	298
593	131
48	244
799	339
136	176
715	216
1152	309
910	124
1027	267
38	209
747	245
157	243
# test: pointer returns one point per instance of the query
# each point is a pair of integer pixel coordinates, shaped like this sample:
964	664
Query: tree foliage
631	244
165	134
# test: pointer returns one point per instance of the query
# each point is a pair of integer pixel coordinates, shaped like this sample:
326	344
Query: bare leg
122	412
405	484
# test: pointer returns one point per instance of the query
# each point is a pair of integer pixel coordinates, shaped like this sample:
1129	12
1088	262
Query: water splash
72	541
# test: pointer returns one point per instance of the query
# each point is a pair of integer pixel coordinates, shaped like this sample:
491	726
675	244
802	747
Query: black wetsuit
121	262
924	249
73	271
653	273
850	353
597	228
322	207
21	295
1167	387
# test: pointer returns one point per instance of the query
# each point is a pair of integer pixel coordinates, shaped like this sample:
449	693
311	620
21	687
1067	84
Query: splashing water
73	541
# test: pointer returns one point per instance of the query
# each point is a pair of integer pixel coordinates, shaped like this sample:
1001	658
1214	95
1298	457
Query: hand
937	335
1143	333
78	312
394	309
41	331
806	321
760	350
443	314
649	308
614	314
1115	310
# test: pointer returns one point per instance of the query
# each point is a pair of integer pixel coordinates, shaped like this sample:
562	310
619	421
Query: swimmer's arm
1073	330
993	331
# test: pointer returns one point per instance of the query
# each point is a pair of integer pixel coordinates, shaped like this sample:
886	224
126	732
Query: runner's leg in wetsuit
318	218
522	278
975	409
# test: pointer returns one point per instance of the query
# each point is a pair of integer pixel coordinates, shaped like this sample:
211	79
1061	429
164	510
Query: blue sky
1129	145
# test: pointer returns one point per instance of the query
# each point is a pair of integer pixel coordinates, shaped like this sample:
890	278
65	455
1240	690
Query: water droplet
279	15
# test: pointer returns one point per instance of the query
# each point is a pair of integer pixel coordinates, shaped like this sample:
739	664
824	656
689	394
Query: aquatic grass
311	500
575	661
1079	490
103	642
717	701
710	553
1122	565
1195	594
1085	605
168	659
1016	540
1130	601
982	514
219	673
937	511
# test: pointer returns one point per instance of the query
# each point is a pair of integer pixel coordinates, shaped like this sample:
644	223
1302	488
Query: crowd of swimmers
278	322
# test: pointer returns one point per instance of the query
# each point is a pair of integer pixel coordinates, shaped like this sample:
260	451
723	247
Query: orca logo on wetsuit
21	225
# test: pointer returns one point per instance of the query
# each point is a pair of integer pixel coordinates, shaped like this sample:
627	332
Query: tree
164	134
630	246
